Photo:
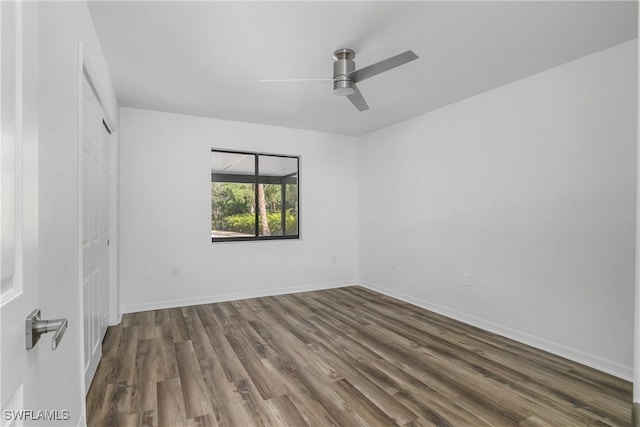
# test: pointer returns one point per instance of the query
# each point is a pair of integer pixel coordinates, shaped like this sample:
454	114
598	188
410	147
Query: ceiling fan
345	75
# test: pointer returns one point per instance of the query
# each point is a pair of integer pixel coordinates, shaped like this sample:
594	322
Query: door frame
635	414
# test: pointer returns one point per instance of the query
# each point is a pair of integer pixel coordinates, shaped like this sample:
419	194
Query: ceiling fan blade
296	81
382	66
357	100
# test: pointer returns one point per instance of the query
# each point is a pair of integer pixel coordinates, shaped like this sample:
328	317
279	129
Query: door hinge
107	242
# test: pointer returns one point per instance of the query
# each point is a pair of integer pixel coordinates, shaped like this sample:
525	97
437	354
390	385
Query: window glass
277	207
233	195
253	196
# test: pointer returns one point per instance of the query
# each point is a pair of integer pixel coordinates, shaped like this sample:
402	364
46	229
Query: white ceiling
206	58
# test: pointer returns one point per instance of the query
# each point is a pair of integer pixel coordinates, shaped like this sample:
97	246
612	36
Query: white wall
165	213
63	25
515	210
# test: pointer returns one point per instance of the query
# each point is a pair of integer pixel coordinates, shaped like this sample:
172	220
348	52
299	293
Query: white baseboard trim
593	361
208	299
118	320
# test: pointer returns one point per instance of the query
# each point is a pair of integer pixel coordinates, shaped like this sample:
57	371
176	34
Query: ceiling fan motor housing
342	84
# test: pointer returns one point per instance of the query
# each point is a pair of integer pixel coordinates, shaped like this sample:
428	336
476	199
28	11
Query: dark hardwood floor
339	357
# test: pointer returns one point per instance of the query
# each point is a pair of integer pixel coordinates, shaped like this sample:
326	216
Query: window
254	196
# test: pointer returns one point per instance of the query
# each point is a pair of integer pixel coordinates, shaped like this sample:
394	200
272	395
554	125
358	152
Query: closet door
95	227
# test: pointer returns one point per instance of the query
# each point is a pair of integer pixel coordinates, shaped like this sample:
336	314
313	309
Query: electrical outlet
175	272
334	259
392	265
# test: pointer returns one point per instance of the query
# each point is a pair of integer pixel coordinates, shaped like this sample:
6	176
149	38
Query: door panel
10	286
104	230
18	205
86	301
95	229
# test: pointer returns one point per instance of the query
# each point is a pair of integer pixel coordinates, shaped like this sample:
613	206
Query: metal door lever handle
35	327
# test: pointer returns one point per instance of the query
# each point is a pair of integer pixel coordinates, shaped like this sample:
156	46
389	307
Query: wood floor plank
433	411
206	316
254	403
260	347
302	398
179	330
194	392
127	319
534	421
428	402
285	413
208	420
325	394
382	380
444	346
228	408
421	422
233	369
372	413
244	309
171	410
124	362
146	323
97	389
251	363
293	346
227	317
115	407
100	411
278	334
356	380
338	357
111	340
166	352
144	394
440	368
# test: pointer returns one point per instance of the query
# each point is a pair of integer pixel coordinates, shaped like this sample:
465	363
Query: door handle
35	327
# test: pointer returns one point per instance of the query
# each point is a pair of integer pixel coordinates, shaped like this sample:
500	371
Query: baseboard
183	302
596	362
118	320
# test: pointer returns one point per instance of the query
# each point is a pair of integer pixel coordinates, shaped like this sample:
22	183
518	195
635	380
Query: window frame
256	176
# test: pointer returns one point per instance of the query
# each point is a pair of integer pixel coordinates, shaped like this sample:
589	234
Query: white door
19	211
95	227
